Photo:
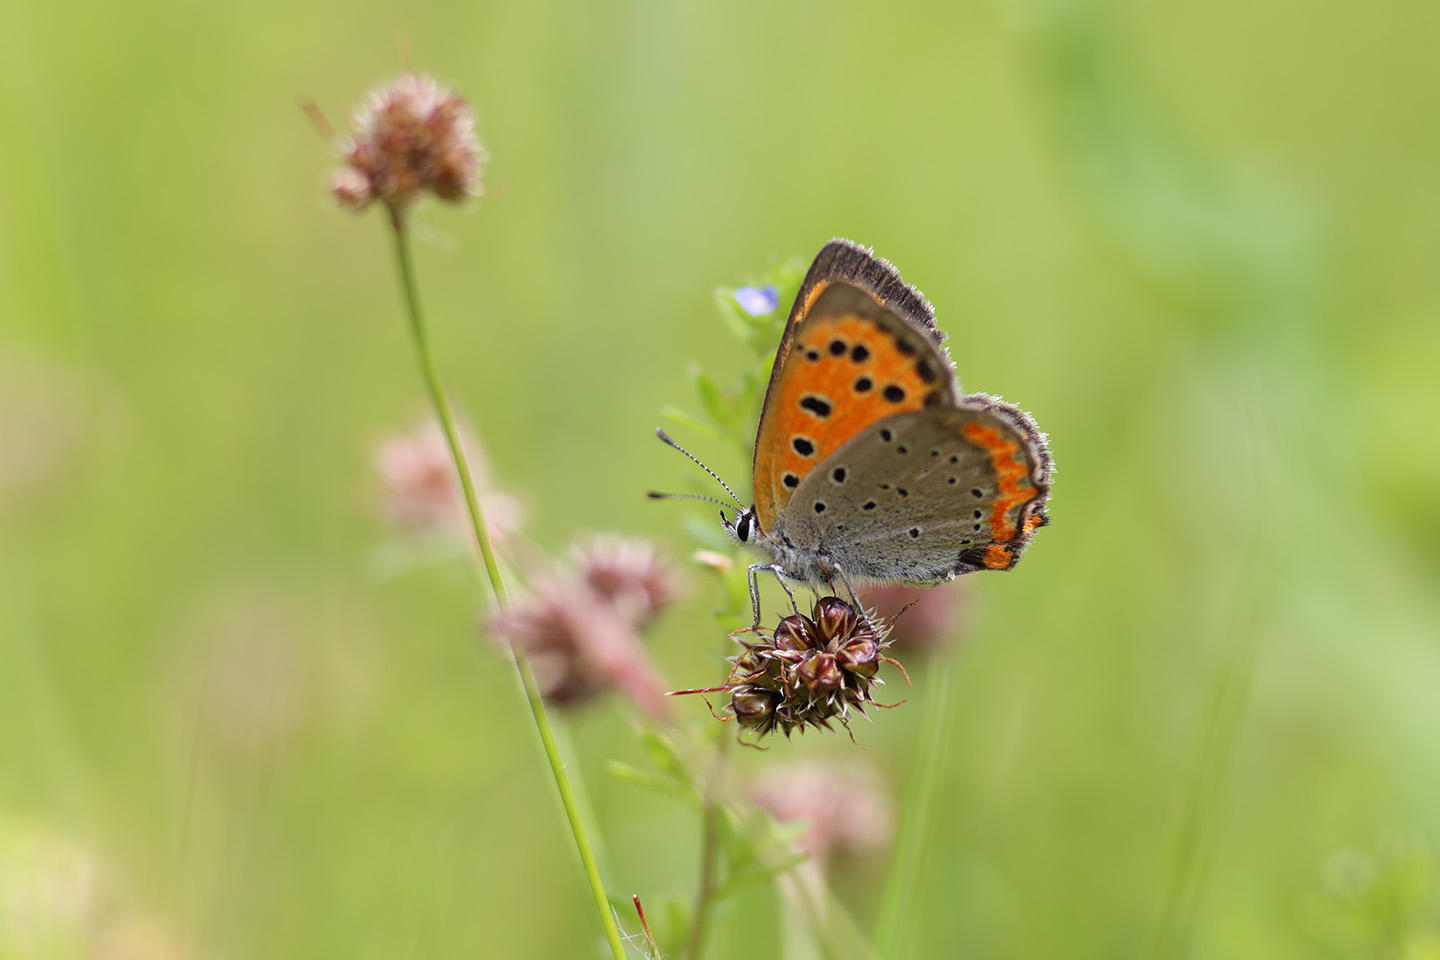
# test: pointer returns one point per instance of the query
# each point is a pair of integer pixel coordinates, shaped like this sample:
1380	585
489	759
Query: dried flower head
846	807
410	136
808	671
581	629
921	619
421	489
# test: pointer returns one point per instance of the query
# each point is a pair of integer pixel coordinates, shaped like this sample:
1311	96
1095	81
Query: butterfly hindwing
925	495
852	361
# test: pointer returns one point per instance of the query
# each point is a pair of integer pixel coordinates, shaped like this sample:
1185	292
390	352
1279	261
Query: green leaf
712	399
667	758
661	785
757	848
698	424
758	873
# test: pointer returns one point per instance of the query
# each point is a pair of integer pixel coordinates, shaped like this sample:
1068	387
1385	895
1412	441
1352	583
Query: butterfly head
745	528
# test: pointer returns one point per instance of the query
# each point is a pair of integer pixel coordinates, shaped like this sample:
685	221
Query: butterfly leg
779	573
855	597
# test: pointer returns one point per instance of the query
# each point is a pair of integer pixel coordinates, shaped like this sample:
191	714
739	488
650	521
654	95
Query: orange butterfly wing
844	260
847	360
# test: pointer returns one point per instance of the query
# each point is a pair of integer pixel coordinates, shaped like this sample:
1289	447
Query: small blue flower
757	301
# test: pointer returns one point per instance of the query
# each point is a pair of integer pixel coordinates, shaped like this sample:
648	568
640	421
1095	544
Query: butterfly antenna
656	495
696	460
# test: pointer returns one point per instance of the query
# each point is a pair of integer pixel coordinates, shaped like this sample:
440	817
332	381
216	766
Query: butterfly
870	465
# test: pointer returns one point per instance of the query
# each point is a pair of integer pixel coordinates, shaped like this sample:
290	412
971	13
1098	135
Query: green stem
442	404
900	884
492	571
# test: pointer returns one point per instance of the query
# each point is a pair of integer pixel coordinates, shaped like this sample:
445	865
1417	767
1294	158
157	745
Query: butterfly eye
744	525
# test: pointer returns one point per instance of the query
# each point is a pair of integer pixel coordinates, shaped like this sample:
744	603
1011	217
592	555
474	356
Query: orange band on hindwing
998	557
1012	480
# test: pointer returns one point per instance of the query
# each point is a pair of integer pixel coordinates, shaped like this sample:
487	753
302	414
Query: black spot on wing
816	405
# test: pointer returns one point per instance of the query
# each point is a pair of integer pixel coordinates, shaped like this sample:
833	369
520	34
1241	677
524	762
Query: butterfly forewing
852	362
926	495
843	261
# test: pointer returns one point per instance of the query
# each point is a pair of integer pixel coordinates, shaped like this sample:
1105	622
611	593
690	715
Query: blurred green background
1197	241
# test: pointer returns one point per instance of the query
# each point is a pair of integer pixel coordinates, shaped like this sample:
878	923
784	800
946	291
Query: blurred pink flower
422	491
581	629
921	619
628	574
846	807
411	136
350	187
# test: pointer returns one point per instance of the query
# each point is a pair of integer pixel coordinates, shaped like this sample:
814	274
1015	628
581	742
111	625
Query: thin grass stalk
491	570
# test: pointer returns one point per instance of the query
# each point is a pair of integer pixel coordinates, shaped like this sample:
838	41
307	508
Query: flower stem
442	403
492	570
